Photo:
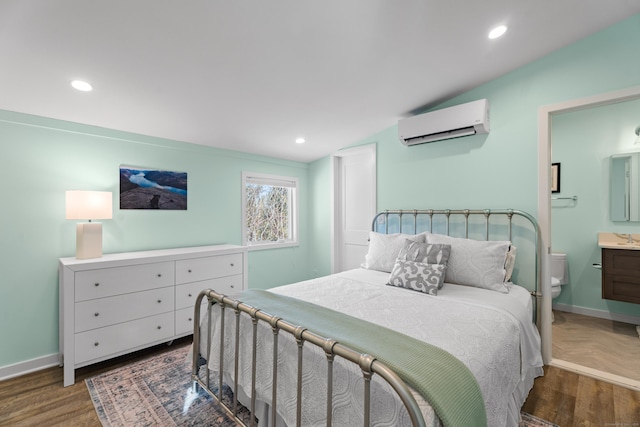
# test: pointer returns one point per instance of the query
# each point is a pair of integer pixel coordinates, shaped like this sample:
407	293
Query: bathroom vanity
620	267
621	275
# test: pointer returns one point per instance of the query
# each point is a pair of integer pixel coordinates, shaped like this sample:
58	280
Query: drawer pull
231	264
189	271
159	301
159	327
96	284
232	286
96	314
159	275
189	295
190	319
96	343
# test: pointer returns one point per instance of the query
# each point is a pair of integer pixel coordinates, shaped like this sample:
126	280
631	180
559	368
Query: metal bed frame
465	215
367	363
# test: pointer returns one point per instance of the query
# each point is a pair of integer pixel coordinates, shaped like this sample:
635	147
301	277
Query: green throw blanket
444	381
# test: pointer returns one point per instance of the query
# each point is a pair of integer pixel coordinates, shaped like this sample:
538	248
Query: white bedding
490	332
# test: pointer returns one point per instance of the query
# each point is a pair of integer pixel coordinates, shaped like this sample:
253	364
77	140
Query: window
269	206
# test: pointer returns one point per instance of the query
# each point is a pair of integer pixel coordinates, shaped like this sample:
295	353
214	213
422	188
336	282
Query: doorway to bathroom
584	332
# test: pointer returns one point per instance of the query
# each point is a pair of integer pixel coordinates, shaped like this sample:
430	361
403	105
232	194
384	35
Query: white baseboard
28	366
594	373
602	314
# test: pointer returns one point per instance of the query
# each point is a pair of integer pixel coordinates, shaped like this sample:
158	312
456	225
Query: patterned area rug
157	392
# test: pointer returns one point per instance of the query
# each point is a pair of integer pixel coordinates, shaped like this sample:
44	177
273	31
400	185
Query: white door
354	199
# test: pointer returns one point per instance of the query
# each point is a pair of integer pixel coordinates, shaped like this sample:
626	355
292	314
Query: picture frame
152	188
555	177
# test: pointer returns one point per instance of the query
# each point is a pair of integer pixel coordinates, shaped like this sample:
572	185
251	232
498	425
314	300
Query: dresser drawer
97	313
184	319
106	282
102	342
186	294
198	269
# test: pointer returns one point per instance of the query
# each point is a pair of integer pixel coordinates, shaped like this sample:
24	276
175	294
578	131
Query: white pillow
384	249
475	263
510	263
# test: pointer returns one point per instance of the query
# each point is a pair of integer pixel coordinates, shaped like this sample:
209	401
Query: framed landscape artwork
147	188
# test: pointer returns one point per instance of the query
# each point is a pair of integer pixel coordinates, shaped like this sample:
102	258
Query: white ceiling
253	76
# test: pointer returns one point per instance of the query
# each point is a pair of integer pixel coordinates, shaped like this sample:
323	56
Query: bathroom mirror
625	187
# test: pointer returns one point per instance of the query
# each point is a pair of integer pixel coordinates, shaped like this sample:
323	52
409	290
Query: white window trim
278	180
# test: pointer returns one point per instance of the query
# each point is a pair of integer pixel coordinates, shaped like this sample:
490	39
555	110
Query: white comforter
490	332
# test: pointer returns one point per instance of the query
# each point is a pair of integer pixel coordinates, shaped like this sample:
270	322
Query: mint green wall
500	170
41	158
583	142
320	219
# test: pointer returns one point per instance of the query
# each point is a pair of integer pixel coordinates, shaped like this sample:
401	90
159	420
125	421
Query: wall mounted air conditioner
453	122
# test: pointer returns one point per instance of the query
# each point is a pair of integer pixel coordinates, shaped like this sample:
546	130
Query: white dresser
124	302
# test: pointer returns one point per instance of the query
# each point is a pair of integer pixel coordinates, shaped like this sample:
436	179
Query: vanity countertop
619	241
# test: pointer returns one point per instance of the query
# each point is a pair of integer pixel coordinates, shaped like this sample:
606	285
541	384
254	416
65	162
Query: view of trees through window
267	213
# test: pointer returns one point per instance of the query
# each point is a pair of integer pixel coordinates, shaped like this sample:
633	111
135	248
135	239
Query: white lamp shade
89	205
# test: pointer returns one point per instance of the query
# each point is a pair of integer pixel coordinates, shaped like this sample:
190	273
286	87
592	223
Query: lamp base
88	240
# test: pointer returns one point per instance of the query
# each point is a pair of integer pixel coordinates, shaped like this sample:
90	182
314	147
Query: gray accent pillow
417	276
425	252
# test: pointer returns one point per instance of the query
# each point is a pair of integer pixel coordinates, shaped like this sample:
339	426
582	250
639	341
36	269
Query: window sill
260	246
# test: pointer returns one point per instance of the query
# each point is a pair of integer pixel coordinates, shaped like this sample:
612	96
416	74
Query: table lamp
89	205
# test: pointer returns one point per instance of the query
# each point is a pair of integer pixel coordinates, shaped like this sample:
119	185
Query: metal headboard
460	223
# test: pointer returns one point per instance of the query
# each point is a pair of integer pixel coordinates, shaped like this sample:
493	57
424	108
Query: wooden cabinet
120	303
621	275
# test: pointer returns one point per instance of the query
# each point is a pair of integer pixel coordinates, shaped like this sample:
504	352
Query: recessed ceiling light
497	31
300	141
81	85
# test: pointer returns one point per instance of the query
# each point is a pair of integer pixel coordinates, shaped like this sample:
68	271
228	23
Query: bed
431	330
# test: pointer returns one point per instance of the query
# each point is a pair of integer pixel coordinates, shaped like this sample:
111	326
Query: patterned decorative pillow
417	276
425	252
384	249
475	262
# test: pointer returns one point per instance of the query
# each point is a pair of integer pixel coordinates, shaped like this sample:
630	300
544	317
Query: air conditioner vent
453	122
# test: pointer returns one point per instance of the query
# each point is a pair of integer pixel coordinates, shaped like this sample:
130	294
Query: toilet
559	273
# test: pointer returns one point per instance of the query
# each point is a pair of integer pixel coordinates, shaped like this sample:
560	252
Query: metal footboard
367	364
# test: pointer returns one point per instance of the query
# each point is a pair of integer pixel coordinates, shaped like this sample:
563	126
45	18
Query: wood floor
562	397
571	400
601	344
39	399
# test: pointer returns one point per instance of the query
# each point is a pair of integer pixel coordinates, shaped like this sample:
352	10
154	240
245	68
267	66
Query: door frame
336	193
545	116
